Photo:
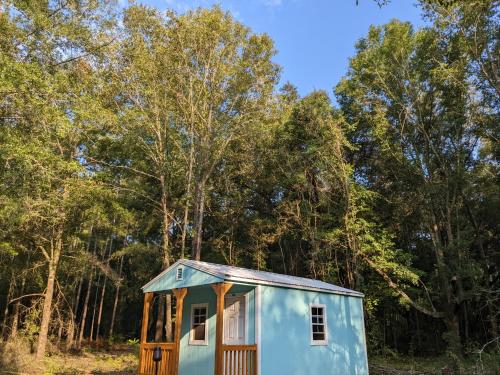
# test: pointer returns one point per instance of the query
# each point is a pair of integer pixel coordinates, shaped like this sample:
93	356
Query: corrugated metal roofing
244	275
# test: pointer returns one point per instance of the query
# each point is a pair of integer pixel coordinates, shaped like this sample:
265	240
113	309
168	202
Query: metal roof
244	275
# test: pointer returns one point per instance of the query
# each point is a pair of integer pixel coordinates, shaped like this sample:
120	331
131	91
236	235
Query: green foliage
132	341
127	139
409	94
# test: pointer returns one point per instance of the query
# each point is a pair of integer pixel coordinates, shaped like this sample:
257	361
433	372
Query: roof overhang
252	281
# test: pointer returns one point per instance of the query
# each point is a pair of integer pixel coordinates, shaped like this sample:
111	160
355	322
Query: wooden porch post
179	295
144	328
220	290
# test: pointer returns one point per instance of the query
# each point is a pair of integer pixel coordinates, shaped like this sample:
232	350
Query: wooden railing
146	363
239	359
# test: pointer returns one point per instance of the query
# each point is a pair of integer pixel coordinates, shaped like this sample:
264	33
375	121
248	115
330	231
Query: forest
131	138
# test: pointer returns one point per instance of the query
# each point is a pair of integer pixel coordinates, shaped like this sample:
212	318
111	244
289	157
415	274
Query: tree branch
399	291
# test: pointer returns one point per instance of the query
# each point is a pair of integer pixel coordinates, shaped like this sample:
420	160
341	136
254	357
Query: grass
120	359
399	365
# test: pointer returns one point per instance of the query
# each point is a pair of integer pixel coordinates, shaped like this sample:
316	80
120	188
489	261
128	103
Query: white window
199	329
319	333
178	274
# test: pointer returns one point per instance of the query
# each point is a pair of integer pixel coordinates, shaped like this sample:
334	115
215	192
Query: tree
409	94
222	80
123	144
46	50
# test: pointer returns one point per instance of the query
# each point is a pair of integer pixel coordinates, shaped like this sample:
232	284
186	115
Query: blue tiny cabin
233	321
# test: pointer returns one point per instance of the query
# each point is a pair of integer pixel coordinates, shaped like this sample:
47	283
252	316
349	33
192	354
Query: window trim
177	277
192	341
325	323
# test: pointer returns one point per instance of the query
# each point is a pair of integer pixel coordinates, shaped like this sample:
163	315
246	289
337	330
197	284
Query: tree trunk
168	326
99	315
493	313
115	304
49	293
419	339
185	220
59	330
72	324
198	220
91	336
17	306
80	284
165	225
452	336
77	297
74	315
6	311
101	302
160	318
85	309
103	256
71	331
166	261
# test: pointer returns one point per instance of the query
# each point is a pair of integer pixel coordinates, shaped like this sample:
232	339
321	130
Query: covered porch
208	325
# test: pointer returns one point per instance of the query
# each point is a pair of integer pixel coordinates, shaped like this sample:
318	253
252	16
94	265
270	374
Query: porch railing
240	359
146	363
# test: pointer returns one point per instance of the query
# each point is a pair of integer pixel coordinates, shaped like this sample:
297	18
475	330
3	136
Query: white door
234	320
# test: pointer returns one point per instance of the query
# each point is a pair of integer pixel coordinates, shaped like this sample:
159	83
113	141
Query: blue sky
314	38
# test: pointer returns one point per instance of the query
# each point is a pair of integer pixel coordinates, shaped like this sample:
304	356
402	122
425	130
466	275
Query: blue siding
190	277
286	339
285	342
200	359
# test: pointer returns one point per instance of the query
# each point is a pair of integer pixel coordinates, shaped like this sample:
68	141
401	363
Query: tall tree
417	123
223	79
46	48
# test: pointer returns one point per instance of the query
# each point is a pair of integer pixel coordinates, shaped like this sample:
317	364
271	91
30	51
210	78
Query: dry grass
15	358
403	365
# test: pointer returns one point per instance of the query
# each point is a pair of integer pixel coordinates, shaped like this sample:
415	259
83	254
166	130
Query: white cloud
273	3
181	6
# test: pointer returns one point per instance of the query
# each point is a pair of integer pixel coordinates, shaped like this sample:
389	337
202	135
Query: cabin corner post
180	294
220	290
144	328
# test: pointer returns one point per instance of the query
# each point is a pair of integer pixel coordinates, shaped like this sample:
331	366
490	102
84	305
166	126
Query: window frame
192	341
181	269
325	324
